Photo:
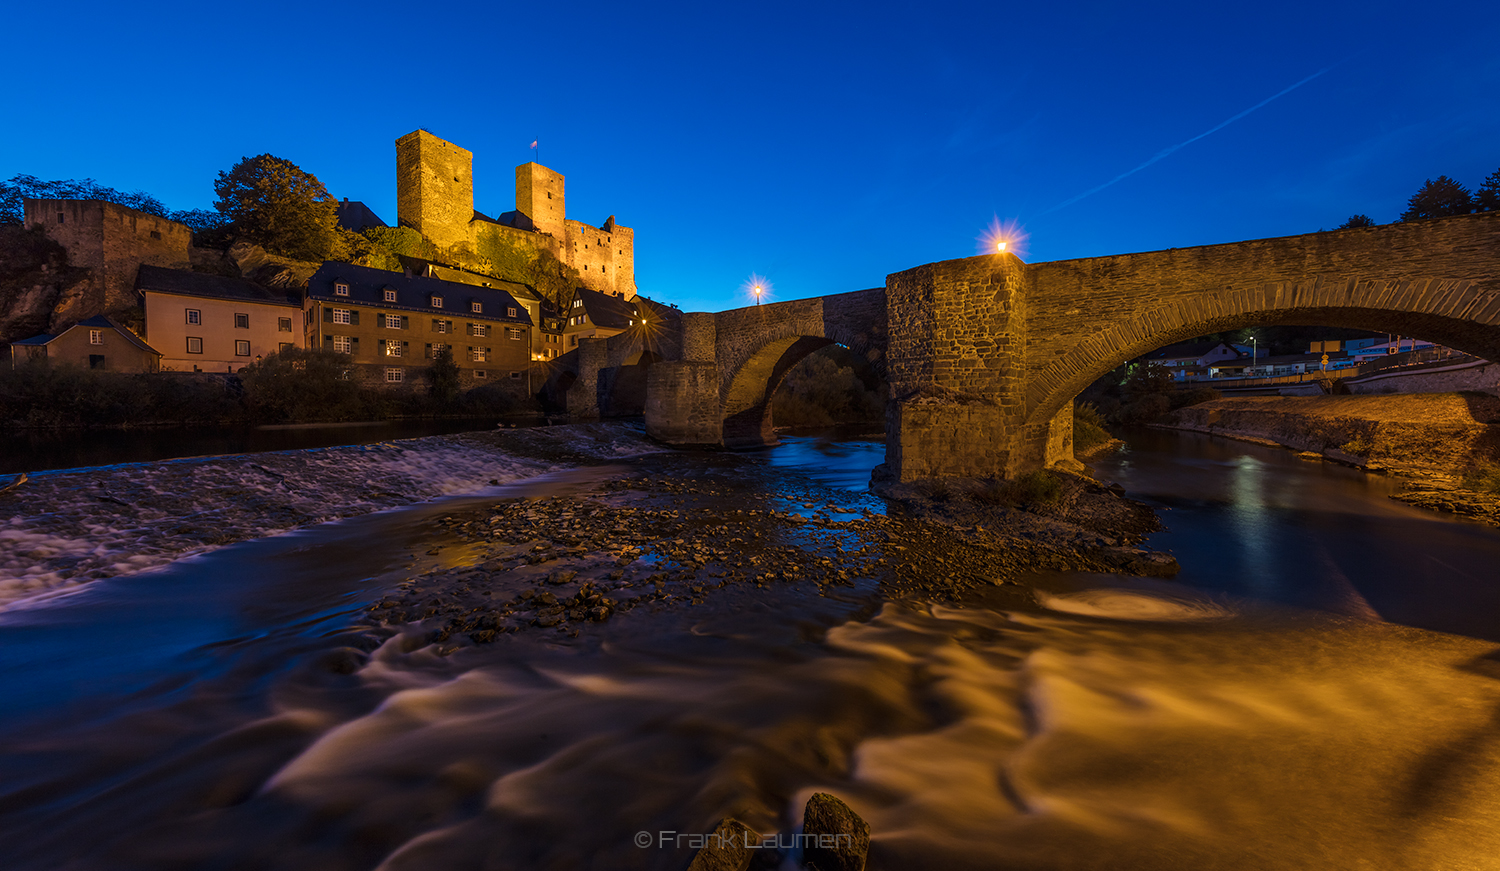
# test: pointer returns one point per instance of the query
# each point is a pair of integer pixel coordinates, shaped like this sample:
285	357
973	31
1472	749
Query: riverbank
1441	443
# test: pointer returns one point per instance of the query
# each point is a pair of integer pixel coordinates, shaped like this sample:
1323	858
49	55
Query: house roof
106	322
38	339
201	284
355	215
1187	350
615	312
367	286
419	266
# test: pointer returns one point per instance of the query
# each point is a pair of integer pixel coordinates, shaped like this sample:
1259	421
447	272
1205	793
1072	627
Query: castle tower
539	196
435	187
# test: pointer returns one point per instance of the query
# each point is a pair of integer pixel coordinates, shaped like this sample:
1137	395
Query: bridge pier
682	396
583	396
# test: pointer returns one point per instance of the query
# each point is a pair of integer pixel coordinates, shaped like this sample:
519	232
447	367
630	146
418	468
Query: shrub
822	391
43	394
306	385
1037	488
1184	398
1088	427
1144	410
1359	446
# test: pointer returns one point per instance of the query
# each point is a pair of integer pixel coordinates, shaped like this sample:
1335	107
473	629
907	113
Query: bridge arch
1452	312
747	397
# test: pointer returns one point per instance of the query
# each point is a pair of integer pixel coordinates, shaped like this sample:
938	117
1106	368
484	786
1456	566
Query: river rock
728	849
843	836
561	577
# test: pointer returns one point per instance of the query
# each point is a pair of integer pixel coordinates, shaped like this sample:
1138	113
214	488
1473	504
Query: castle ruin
435	197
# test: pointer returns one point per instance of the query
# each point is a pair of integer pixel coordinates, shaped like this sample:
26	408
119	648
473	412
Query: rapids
1300	697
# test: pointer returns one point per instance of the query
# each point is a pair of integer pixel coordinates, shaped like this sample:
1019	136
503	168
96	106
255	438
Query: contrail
1168	151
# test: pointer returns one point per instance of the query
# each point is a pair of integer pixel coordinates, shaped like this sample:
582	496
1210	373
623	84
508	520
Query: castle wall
540	196
605	258
434	188
111	241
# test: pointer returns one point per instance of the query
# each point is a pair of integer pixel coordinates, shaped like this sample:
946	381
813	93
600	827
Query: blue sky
819	145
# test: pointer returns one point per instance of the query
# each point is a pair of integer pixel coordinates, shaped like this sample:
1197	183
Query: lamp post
1000	247
1254	348
757	294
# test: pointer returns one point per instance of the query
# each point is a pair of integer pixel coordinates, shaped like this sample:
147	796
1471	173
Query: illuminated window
341	316
241	321
515	334
393	349
477	307
395	376
343	344
479	355
242	348
479	330
437	302
441	326
510	312
392	322
194	345
96	337
194	316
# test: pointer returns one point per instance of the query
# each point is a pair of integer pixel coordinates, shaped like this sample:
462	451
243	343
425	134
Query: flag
533	143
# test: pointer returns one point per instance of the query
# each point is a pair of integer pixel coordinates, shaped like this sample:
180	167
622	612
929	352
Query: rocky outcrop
35	283
270	270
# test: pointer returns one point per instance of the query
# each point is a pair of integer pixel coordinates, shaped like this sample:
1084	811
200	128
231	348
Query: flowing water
1318	689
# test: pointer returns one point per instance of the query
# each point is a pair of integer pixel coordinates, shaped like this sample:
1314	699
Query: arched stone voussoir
1458	313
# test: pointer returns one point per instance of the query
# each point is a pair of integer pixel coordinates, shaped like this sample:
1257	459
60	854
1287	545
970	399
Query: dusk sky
821	146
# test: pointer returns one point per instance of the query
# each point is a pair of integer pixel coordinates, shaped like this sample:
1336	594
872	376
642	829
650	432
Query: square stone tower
539	196
435	187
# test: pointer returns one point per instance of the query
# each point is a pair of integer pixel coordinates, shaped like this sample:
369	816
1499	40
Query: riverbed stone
841	838
728	849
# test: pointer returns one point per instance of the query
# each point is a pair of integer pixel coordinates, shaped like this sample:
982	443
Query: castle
435	197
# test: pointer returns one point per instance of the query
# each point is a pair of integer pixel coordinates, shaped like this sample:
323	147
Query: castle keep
435	196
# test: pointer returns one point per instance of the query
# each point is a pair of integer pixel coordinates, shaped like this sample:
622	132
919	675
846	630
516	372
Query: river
1318	688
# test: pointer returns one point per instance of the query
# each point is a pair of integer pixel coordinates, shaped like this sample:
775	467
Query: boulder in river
728	849
840	837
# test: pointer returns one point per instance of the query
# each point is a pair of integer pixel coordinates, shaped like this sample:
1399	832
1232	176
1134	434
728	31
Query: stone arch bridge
984	355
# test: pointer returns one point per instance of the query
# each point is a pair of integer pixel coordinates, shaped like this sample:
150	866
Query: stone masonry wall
1438	280
434	187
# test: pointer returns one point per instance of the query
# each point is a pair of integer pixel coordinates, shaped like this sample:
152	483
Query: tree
274	203
1439	198
1356	221
442	377
1487	198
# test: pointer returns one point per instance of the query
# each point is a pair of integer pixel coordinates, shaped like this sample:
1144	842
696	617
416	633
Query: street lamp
1254	347
1000	247
757	294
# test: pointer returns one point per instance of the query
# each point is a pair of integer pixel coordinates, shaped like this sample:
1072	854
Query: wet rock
546	620
561	577
727	849
841	837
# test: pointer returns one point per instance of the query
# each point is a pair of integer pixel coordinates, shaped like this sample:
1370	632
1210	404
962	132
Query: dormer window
577	303
510	312
476	307
437	302
390	295
340	289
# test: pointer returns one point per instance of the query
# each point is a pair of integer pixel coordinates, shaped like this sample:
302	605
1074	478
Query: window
479	330
284	346
59	217
156	234
435	349
392	322
575	341
510	312
515	334
343	345
515	376
241	321
577	303
479	355
341	316
340	288
395	376
96	337
393	349
283	325
390	295
441	326
194	345
437	302
194	316
603	268
480	373
477	307
241	348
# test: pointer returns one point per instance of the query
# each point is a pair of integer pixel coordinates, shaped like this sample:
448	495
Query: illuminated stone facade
435	196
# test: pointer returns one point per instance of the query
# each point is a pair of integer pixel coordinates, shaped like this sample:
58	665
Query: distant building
211	323
392	324
356	216
112	241
1190	360
546	339
595	315
100	342
435	196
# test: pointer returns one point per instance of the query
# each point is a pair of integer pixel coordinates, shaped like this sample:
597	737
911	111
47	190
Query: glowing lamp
1000	246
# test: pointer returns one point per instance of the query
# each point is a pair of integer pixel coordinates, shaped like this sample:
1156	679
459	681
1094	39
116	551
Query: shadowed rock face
834	823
